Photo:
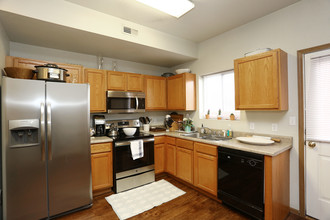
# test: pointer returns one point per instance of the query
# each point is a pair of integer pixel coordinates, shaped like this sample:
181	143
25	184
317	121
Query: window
317	107
218	92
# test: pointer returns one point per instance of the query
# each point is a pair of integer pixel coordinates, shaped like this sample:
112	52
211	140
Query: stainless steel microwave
125	102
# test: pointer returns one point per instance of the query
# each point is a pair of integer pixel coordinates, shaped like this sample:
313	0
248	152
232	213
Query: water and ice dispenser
23	133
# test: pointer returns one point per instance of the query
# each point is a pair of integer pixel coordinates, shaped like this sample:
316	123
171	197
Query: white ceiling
208	19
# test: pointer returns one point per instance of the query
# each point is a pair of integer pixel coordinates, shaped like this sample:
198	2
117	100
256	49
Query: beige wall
302	25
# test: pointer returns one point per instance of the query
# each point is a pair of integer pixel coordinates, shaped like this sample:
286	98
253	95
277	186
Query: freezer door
69	158
23	155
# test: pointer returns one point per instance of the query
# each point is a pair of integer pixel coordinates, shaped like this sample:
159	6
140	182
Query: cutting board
178	117
157	129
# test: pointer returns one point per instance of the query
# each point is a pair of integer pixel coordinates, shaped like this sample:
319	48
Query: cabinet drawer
170	140
160	140
99	148
206	148
185	144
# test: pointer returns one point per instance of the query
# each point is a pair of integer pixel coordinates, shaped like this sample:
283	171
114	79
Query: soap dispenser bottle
202	129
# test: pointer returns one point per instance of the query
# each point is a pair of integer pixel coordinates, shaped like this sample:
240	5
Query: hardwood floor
192	205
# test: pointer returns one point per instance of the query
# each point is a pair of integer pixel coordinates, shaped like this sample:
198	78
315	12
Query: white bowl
179	71
129	131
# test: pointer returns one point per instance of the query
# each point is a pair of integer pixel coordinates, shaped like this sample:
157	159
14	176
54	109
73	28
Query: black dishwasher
241	181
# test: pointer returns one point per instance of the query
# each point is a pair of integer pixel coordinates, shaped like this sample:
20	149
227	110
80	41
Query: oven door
125	102
123	160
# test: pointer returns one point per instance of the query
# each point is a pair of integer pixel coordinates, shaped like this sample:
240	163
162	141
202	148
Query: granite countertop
269	150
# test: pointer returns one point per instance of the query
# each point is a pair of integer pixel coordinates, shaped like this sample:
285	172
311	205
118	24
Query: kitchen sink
193	135
206	137
215	138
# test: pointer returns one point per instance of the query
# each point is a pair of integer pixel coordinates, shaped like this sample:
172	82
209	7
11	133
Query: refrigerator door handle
49	130
42	131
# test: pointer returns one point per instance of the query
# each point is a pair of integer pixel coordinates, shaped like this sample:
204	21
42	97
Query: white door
317	134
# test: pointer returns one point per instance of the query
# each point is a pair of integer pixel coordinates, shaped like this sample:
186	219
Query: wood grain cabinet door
101	170
181	92
205	172
184	164
75	71
159	158
155	91
170	159
116	81
206	167
176	92
97	80
134	82
261	81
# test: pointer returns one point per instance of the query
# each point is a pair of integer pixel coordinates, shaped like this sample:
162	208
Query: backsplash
156	116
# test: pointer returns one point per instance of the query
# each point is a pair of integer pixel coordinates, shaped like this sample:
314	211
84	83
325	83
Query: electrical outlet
251	126
274	127
292	120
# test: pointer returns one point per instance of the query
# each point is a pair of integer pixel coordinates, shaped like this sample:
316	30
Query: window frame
202	103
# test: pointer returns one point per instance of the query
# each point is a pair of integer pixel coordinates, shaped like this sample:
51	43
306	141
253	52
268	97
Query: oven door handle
125	143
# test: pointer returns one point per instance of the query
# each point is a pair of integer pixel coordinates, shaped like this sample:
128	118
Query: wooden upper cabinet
155	91
97	81
116	80
261	81
134	82
75	71
121	81
181	92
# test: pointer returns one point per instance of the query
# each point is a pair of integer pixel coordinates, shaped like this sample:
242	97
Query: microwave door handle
137	103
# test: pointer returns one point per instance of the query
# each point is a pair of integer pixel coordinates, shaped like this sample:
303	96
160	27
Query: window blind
318	99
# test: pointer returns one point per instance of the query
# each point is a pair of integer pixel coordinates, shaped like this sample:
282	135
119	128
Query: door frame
301	127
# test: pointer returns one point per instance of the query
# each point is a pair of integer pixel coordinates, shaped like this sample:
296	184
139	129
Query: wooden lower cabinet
101	161
170	159
197	164
184	164
277	186
160	154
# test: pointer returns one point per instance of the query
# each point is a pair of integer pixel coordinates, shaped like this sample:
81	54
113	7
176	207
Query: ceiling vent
130	31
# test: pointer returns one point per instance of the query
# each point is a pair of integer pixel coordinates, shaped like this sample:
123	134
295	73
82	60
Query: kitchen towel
137	149
135	201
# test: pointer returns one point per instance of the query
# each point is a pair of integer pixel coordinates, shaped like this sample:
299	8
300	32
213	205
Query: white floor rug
138	200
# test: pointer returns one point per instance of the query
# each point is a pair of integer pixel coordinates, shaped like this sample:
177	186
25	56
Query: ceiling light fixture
176	8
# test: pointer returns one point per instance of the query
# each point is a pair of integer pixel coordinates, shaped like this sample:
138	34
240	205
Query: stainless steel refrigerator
46	167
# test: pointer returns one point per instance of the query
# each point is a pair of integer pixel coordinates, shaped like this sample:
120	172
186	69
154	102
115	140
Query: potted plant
207	116
219	115
187	124
232	116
